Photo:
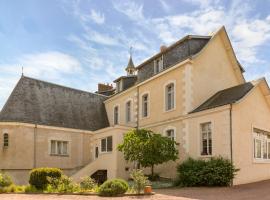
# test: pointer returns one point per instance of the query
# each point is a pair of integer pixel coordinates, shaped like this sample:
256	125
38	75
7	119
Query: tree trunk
152	171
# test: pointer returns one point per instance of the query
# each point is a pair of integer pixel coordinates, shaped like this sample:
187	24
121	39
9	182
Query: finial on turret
22	71
130	69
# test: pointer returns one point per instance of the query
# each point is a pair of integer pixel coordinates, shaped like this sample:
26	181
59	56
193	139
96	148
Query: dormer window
158	65
119	86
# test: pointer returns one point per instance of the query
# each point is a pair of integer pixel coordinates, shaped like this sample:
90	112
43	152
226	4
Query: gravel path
260	190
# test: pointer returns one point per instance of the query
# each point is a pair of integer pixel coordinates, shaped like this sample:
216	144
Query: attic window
158	65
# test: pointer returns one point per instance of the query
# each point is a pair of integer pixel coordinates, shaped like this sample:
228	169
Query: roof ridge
62	86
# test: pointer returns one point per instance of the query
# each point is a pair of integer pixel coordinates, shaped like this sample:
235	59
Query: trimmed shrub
213	172
88	184
39	176
139	180
113	187
5	180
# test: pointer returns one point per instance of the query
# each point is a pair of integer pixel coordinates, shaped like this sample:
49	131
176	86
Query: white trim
170	128
100	143
131	110
262	139
59	140
165	95
141	105
199	141
113	122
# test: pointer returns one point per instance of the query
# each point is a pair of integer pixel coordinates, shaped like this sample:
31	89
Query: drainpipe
138	105
231	145
35	156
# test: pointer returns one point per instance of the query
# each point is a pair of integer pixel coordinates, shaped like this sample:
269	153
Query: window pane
109	144
258	149
59	147
116	115
145	106
264	149
65	148
103	145
268	150
5	140
128	111
53	147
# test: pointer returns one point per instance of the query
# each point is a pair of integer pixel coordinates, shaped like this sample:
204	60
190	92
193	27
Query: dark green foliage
39	177
113	187
213	172
148	148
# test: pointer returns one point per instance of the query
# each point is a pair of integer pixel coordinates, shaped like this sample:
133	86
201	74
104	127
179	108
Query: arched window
6	140
169	97
145	105
170	133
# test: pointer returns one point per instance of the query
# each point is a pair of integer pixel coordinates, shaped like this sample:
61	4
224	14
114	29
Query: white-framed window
5	140
169	96
261	144
106	144
128	111
145	105
170	133
206	139
59	148
116	115
158	65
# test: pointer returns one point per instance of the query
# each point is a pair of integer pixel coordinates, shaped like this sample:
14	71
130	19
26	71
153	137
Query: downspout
35	156
231	140
138	105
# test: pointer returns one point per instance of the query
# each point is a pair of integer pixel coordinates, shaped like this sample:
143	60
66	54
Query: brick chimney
104	87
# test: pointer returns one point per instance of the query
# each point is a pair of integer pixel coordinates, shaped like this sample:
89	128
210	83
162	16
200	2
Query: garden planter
148	190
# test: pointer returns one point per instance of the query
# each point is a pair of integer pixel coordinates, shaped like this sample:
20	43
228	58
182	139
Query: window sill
261	161
59	155
105	152
168	111
205	156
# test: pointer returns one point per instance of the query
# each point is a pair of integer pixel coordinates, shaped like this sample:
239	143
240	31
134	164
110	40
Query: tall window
206	139
158	65
116	115
170	134
128	111
6	140
106	144
145	105
261	140
59	147
169	97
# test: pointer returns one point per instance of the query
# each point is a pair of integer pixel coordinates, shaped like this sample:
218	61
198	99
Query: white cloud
129	8
166	7
53	65
97	17
100	38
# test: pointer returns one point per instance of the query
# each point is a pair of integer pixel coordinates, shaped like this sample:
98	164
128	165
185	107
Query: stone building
193	91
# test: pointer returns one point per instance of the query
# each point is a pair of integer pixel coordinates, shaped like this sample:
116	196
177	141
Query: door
96	152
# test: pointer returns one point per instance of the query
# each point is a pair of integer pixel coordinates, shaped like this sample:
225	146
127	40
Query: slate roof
225	97
43	103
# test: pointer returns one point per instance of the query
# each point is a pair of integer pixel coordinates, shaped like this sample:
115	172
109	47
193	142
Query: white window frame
148	105
56	147
201	139
106	139
160	67
263	137
131	110
165	107
165	131
118	120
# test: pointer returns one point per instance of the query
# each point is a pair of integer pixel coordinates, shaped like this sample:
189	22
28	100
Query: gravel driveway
260	190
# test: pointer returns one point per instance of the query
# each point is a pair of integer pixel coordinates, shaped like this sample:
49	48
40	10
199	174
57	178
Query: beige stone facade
199	81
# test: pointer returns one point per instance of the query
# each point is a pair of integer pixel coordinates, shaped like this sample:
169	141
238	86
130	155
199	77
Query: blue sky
79	43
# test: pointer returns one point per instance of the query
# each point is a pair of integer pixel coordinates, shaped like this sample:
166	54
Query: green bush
139	180
5	180
30	189
38	177
213	172
61	185
113	187
88	184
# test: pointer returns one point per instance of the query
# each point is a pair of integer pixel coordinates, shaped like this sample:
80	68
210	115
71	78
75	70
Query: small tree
148	148
140	181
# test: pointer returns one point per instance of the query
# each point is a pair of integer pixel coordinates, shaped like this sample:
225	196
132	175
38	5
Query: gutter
35	148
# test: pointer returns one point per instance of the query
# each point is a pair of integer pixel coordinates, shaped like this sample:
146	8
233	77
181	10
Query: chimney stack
104	87
163	48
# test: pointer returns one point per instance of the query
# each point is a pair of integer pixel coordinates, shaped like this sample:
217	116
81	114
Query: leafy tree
148	148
